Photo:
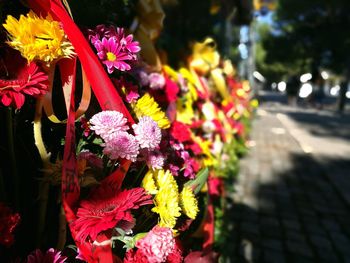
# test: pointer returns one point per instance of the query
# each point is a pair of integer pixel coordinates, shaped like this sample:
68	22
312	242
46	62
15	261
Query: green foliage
201	179
309	34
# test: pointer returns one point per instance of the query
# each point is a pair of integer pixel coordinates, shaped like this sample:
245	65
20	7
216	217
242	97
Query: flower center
111	56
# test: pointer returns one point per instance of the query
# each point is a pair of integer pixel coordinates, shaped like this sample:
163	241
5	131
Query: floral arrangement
144	154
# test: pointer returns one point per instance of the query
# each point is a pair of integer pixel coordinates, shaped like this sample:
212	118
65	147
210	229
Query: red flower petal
97	215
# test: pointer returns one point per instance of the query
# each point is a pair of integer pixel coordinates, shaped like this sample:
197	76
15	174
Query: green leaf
97	141
198	183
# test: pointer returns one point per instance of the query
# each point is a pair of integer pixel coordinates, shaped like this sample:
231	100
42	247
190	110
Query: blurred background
291	201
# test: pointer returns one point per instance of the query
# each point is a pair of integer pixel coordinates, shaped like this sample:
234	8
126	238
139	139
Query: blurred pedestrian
293	86
319	94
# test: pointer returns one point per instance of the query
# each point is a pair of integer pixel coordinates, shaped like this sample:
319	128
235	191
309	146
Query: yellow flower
184	109
149	184
38	38
146	106
191	82
171	72
241	93
184	106
166	199
189	203
167	206
254	103
208	158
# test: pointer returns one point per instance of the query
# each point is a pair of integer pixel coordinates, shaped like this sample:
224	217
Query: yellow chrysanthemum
165	179
146	106
189	203
166	199
38	38
149	183
167	206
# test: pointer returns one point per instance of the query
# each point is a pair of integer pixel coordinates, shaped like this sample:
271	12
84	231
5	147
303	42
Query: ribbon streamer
107	97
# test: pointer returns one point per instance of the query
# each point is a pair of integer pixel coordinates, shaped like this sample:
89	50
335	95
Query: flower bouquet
127	150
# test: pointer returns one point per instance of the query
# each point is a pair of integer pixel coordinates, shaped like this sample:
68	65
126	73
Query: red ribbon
209	223
107	97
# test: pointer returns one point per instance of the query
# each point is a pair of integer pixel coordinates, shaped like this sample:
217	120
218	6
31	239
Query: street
292	198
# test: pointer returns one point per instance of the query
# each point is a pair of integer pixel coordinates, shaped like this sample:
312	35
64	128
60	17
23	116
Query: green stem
12	155
44	186
3	195
137	177
62	229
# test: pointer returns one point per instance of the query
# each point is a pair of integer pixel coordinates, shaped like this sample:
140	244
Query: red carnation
104	211
176	255
180	131
8	223
30	80
137	256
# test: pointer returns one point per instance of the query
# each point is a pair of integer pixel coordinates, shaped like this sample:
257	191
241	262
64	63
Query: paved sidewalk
289	205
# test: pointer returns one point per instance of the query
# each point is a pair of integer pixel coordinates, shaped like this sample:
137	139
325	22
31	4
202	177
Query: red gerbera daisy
30	80
105	209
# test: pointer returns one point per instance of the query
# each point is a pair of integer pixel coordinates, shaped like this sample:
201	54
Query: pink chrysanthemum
52	256
106	123
157	245
147	133
30	81
154	159
121	145
112	54
156	81
107	208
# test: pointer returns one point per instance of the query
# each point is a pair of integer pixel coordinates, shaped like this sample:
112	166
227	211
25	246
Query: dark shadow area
300	217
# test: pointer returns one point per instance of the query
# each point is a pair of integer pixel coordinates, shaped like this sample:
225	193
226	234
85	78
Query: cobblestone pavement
289	205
